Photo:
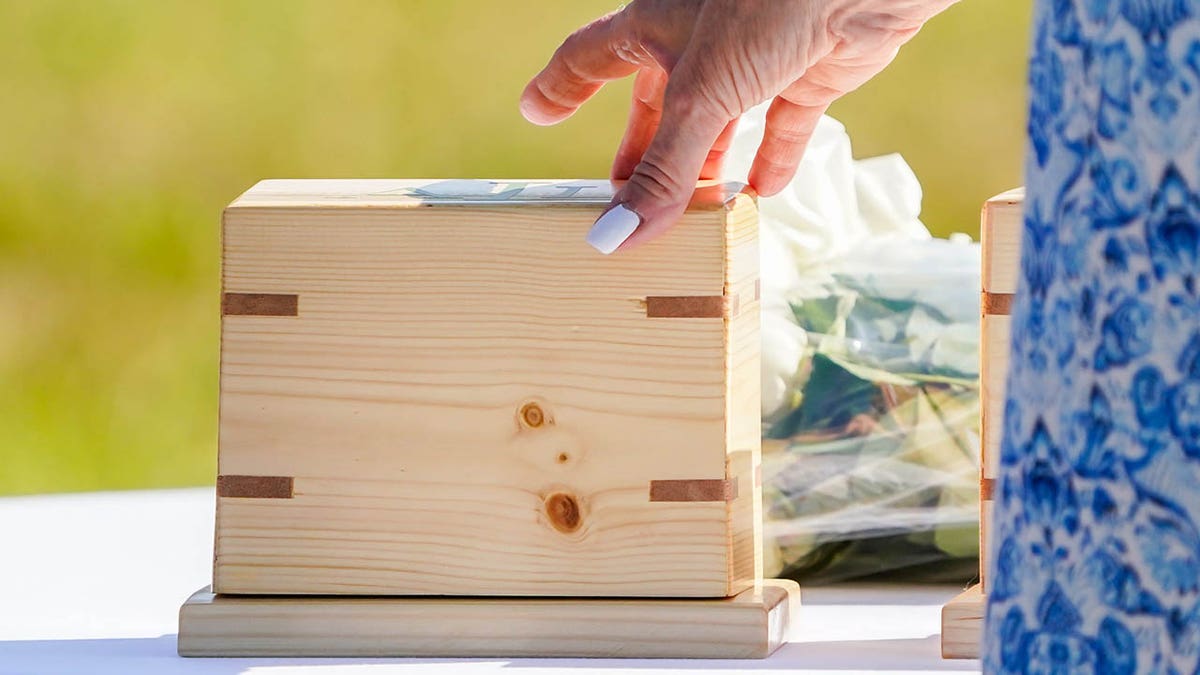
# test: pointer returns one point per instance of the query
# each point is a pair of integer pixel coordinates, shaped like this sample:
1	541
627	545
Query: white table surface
91	583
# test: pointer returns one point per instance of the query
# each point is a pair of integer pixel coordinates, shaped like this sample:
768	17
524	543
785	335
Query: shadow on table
137	656
130	656
878	594
116	656
915	654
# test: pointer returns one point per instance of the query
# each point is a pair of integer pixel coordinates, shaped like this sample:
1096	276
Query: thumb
662	184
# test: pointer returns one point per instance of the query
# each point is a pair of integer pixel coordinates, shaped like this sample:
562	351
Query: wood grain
994	349
1000	235
474	400
962	624
995	343
750	625
987	552
1001	227
743	411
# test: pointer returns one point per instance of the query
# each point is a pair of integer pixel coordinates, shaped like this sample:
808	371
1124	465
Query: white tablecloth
91	583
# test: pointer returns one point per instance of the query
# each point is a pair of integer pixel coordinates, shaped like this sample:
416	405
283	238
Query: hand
700	64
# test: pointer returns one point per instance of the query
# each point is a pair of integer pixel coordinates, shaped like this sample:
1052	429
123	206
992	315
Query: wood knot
533	416
563	511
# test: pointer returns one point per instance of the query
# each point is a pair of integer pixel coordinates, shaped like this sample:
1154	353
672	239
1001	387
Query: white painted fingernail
613	228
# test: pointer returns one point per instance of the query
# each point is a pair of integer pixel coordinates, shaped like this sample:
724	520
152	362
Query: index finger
591	56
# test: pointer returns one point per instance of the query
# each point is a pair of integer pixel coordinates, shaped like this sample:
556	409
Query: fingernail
613	228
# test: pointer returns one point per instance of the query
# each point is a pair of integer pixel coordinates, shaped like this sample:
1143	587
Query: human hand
700	64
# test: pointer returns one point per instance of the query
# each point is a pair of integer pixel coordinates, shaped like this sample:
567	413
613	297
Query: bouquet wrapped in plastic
870	372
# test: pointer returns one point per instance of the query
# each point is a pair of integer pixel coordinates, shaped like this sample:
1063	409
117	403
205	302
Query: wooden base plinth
962	624
751	625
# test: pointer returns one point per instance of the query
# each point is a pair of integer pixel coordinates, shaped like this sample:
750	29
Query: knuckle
790	135
550	92
631	51
570	71
776	167
812	91
626	43
655	181
695	100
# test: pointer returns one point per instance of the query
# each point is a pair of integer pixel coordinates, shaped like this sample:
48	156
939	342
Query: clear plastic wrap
870	371
870	460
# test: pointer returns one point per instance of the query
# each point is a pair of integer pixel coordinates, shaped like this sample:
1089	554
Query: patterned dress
1097	535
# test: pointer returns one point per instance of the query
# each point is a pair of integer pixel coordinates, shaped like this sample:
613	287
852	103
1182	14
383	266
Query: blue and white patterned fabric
1097	525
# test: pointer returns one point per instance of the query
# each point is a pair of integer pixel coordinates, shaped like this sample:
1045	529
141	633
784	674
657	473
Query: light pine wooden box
1000	237
438	388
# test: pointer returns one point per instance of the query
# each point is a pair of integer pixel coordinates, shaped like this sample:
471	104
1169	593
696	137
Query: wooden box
438	388
1000	236
1001	244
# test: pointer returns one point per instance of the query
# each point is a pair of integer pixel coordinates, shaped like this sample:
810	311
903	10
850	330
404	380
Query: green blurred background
126	126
